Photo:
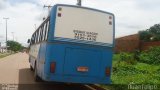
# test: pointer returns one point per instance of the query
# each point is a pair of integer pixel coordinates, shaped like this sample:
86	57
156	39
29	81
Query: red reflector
52	67
82	69
110	17
110	22
59	14
108	71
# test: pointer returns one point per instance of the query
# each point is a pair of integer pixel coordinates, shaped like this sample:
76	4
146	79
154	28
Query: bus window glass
40	35
36	37
44	29
47	30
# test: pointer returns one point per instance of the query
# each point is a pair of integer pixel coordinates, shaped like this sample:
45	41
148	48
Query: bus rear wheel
36	77
31	68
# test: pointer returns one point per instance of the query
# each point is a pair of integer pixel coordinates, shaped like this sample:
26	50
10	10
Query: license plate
82	69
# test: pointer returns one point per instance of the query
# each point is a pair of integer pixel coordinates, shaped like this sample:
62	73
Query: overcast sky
131	15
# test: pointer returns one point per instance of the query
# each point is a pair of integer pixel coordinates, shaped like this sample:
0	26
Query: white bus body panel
34	49
84	22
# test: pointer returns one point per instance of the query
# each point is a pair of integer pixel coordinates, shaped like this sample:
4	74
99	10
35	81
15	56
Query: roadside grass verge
2	55
138	73
124	73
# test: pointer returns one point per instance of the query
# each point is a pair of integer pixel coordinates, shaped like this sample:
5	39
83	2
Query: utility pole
13	35
79	2
0	47
6	31
35	27
0	23
49	8
16	39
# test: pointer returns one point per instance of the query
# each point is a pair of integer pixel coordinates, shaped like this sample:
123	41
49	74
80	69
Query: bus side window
47	29
44	29
42	32
38	35
34	39
31	42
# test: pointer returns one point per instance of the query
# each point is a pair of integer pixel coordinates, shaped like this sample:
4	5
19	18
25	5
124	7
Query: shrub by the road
151	56
138	67
127	57
139	73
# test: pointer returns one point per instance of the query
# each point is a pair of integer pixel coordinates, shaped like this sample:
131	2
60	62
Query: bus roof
82	7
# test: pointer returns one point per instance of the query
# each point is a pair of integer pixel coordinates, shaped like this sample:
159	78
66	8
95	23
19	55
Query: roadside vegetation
138	72
13	47
4	54
151	34
138	68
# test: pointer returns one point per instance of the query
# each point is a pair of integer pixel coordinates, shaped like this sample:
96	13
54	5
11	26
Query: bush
127	57
144	58
136	55
152	56
124	71
140	73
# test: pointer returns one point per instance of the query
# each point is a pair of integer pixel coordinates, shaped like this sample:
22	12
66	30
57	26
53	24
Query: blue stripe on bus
82	41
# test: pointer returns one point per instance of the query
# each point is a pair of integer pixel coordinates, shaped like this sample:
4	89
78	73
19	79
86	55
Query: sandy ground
14	69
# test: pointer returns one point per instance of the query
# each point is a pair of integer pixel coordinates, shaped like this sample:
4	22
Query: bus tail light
59	15
108	71
110	17
52	67
110	22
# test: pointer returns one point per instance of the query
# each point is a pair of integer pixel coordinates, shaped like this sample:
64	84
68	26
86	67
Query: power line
6	31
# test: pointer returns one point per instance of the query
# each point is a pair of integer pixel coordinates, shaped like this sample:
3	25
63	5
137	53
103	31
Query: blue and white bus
74	45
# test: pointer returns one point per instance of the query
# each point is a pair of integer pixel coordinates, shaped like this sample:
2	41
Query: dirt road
14	69
15	74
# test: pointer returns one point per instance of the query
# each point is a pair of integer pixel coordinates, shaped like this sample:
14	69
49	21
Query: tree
151	34
145	35
14	46
155	31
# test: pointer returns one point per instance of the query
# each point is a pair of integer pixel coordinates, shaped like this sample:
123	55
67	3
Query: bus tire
29	59
31	68
36	77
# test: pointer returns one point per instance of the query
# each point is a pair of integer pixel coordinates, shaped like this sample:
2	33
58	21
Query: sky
131	15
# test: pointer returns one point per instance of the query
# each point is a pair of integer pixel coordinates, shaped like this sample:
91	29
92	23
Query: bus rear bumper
78	79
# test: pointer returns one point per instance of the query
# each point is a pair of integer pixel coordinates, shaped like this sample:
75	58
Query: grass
139	73
4	55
